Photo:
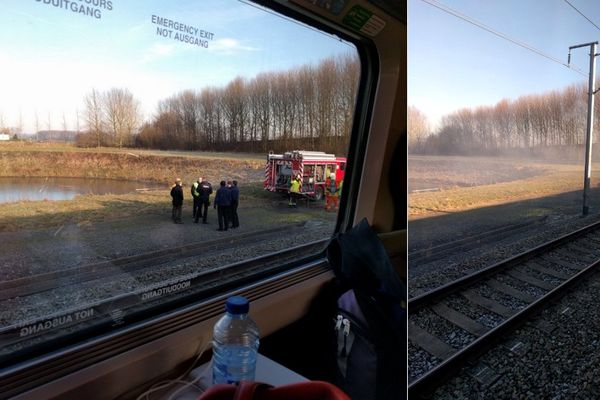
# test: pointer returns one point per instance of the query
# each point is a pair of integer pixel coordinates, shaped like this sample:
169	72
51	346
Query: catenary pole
590	122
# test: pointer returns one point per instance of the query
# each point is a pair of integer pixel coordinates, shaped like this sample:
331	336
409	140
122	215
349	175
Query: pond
35	189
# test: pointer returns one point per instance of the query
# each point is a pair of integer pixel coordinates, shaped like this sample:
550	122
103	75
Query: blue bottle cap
237	305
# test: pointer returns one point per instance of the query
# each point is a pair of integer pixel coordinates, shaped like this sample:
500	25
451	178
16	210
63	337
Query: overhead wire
480	25
582	14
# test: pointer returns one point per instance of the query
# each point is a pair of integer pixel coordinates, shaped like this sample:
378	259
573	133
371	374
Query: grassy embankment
550	180
150	167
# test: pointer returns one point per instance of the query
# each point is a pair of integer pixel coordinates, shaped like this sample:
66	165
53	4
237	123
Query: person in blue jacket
223	205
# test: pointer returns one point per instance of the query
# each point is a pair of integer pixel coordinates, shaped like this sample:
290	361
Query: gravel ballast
32	252
561	364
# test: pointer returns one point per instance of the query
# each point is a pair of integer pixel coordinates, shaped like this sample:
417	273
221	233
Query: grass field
24	159
60	147
464	183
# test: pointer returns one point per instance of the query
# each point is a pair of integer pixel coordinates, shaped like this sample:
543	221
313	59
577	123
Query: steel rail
51	280
418	302
424	385
133	303
19	373
432	253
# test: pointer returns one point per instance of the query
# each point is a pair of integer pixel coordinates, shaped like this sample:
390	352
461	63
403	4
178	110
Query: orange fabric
331	202
314	390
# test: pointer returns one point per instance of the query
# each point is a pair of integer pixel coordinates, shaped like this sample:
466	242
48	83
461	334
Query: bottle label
233	363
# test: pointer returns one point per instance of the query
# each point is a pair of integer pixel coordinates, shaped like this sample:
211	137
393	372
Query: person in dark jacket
177	195
235	200
223	204
204	192
196	198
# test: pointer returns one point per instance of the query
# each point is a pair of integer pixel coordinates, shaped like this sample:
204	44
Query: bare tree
418	129
20	123
64	122
485	130
3	127
261	99
523	125
235	108
307	103
93	116
325	99
77	126
504	121
187	107
285	99
210	116
348	77
122	115
37	125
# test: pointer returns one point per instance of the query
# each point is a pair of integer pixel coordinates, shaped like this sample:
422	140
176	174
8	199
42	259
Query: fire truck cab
313	166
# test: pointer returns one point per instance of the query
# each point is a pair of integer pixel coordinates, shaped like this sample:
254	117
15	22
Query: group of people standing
226	202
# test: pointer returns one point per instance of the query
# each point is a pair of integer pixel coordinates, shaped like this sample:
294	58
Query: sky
51	55
453	64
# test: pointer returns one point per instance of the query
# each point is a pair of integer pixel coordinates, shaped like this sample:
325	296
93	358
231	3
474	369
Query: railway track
116	310
77	275
456	323
469	243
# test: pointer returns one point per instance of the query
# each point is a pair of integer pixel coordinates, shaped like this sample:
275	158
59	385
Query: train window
111	111
320	173
500	118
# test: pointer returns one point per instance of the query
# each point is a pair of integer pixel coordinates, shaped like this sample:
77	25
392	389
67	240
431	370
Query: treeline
313	104
309	107
556	118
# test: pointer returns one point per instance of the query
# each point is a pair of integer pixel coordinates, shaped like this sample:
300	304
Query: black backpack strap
360	262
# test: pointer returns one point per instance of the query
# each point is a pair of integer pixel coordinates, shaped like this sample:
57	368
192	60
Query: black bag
370	325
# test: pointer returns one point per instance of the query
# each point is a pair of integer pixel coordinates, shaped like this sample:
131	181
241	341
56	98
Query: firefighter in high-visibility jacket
331	193
295	186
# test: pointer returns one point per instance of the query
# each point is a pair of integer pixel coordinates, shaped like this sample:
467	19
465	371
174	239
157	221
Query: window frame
57	359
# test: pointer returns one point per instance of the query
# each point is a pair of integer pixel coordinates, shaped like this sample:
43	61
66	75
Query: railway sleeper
459	319
548	271
429	342
511	291
523	277
563	263
486	303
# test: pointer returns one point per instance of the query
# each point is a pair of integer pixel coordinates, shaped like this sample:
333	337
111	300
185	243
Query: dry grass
82	210
528	181
60	147
23	159
59	160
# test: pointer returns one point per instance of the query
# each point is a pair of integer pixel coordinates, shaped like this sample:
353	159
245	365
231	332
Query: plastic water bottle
235	343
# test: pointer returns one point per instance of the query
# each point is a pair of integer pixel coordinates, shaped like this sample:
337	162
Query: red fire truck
313	166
